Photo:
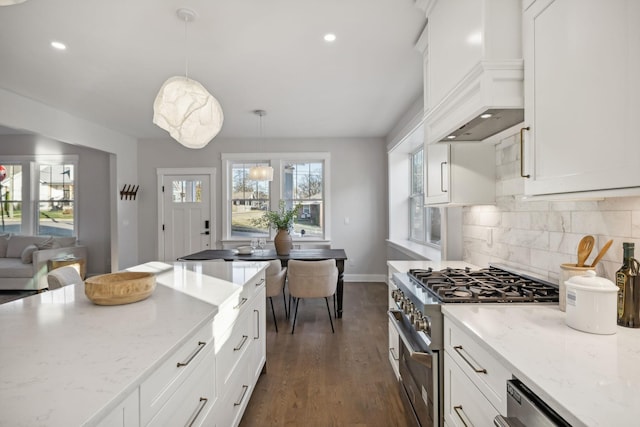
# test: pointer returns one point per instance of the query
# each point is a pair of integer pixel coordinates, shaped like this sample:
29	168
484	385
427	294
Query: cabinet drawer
230	310
195	398
231	346
231	406
125	414
481	367
156	390
464	403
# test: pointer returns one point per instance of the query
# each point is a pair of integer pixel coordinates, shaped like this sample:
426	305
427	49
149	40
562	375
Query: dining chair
313	279
275	278
63	276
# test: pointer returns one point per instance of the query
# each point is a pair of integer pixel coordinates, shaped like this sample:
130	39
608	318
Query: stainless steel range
418	320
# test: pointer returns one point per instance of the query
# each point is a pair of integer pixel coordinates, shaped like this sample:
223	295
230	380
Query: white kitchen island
67	362
590	380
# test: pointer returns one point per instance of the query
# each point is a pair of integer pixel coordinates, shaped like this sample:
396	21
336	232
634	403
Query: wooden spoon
584	249
603	251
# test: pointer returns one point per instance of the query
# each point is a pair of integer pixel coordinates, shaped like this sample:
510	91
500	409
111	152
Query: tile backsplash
538	236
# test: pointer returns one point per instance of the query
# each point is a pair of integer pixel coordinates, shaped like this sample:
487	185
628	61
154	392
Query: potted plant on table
281	220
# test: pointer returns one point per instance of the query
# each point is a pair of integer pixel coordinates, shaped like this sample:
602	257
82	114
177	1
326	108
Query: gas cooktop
491	284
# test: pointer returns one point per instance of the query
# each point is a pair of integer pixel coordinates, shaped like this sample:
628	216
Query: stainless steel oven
419	376
418	319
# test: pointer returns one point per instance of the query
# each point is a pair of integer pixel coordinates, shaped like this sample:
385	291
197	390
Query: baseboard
365	278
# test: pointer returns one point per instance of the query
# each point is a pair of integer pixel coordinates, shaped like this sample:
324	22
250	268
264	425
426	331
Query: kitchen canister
592	304
567	271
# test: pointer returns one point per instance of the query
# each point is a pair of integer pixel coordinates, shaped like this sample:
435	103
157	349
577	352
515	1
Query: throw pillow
47	244
64	242
27	254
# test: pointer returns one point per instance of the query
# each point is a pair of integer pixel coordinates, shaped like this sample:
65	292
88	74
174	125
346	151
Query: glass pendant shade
185	109
261	173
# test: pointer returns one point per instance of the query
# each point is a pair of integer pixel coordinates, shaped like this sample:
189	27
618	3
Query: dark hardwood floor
316	378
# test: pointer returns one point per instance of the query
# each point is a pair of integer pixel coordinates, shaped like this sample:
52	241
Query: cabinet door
126	414
582	95
437	173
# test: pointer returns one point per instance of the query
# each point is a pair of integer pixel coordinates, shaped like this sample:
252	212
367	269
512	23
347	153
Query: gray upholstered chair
275	277
63	276
313	279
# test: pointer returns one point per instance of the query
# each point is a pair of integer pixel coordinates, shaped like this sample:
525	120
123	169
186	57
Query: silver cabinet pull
201	345
244	392
393	353
522	153
260	282
241	303
194	417
442	177
244	340
257	312
458	349
459	413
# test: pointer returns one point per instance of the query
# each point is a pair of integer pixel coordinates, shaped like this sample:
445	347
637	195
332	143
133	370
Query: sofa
23	259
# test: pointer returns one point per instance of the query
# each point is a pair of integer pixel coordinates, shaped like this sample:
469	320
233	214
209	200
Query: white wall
538	236
19	112
358	191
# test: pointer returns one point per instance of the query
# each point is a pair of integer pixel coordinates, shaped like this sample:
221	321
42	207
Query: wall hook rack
129	192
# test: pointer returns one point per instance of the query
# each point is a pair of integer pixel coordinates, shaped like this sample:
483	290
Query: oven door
418	373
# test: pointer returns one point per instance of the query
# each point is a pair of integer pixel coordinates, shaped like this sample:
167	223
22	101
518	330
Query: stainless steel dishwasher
525	409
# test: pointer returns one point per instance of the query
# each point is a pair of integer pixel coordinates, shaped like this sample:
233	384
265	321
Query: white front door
185	220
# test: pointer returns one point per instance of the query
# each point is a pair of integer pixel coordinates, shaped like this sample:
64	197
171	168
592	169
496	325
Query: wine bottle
628	289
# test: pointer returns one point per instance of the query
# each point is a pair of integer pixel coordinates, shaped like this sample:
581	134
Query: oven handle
500	421
421	357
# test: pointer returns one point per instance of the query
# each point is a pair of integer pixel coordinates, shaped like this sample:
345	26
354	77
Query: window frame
427	211
276	187
30	188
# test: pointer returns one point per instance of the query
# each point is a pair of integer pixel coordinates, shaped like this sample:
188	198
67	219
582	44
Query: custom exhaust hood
487	124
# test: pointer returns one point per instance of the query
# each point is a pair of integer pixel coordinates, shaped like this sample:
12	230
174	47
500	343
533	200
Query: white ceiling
250	54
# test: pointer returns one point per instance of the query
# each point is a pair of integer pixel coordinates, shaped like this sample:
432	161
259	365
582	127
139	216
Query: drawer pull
459	413
458	349
194	417
201	345
393	353
257	312
260	282
244	340
522	153
244	392
241	303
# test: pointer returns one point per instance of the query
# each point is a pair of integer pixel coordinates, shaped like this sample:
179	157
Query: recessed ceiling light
58	45
485	116
451	137
330	37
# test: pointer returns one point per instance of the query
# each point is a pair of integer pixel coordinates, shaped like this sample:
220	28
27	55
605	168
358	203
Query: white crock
591	304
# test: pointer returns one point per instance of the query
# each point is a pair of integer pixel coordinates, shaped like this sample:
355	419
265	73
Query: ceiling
250	54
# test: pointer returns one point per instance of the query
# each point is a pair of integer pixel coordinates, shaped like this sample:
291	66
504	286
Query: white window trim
275	160
30	189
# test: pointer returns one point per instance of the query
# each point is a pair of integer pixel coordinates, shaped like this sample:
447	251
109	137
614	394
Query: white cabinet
475	384
126	414
472	62
240	352
582	92
460	173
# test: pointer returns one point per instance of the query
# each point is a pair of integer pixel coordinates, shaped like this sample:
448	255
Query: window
299	178
424	222
56	199
11	198
38	195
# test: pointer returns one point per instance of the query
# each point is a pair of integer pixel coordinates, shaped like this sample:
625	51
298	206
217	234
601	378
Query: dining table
315	254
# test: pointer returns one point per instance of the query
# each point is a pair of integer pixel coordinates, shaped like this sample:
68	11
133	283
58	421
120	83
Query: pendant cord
186	53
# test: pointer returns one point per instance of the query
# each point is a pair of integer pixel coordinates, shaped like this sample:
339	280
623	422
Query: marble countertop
590	380
65	361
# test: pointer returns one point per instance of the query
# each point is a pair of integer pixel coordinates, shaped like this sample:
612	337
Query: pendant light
184	108
262	172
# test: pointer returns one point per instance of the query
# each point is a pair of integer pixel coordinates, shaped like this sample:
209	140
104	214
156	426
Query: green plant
281	219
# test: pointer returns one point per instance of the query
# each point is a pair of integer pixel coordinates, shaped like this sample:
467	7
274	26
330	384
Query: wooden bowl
123	287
